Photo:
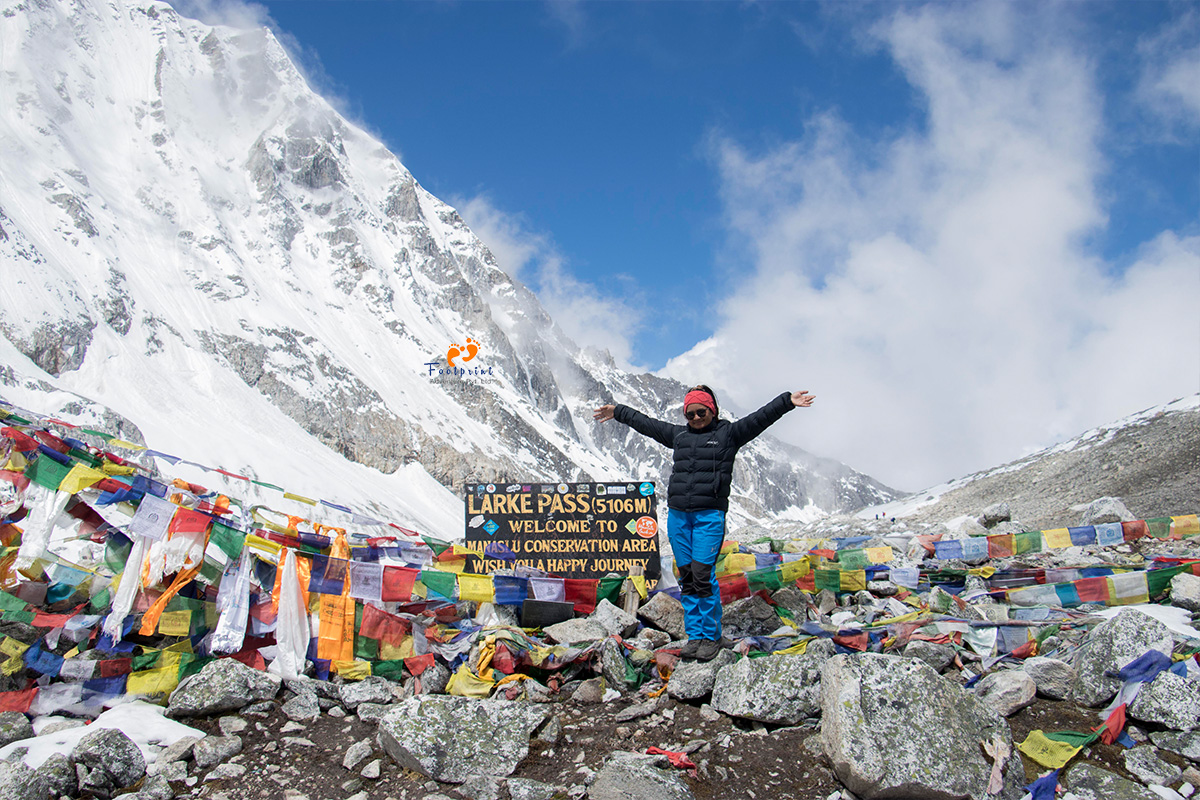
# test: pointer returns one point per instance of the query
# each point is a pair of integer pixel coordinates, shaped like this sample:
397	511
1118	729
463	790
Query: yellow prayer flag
124	445
854	580
181	647
792	571
639	583
1047	752
263	547
1056	538
1185	526
352	670
729	547
465	683
116	469
175	623
739	562
477	588
455	565
79	478
983	572
796	649
392	652
13	665
12	647
153	682
878	555
299	498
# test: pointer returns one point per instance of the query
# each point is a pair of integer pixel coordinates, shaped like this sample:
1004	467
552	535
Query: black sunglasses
700	412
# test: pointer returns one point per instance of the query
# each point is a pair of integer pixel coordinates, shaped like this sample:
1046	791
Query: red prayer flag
581	592
398	583
1135	529
1112	726
18	701
112	667
21	442
251	658
1092	590
733	587
187	520
418	664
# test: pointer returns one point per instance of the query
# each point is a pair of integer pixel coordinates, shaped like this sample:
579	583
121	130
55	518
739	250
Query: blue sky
938	217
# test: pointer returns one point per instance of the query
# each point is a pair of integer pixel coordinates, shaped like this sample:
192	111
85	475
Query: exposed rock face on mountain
192	238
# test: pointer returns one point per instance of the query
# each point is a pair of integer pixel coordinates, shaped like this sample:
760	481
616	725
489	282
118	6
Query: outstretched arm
662	432
802	399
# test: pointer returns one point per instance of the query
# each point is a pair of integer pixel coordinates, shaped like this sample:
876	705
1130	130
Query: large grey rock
938	656
1052	677
1185	591
223	685
434	679
1186	744
374	689
664	612
451	739
631	776
1143	763
59	774
213	750
14	726
893	727
779	689
106	761
1006	691
750	616
1169	700
1088	782
576	631
1110	646
304	707
994	514
693	680
614	667
19	782
616	621
1104	510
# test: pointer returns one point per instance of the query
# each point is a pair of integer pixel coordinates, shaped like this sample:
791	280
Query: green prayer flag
609	589
1073	738
1159	527
85	457
444	584
10	602
18	616
366	649
1027	542
102	601
227	539
147	660
46	472
769	578
853	559
830	579
392	670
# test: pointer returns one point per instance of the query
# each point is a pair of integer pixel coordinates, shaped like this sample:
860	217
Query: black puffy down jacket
702	470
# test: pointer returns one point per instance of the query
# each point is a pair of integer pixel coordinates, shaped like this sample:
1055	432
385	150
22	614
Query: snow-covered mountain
199	253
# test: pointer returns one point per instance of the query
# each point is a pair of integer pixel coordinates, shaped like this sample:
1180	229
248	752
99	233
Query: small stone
231	725
357	753
372	770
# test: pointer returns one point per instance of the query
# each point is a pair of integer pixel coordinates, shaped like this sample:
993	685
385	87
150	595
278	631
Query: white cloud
590	316
935	290
1170	79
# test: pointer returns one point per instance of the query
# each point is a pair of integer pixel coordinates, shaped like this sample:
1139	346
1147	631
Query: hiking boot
707	650
689	649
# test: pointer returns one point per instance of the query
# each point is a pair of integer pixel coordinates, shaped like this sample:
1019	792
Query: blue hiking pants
696	538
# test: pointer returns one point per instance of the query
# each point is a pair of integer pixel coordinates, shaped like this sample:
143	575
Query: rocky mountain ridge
200	251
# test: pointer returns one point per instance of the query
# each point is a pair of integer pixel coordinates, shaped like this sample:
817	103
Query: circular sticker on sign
563	488
647	527
646	489
491	488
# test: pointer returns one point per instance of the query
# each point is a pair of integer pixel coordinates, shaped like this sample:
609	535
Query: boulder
750	616
893	727
1007	691
303	707
451	739
59	774
632	775
576	631
664	612
994	514
1104	510
19	782
1185	591
782	690
1169	700
693	680
938	656
374	689
14	726
1143	763
1109	647
1186	744
1088	782
1053	678
793	600
106	761
223	685
213	750
616	621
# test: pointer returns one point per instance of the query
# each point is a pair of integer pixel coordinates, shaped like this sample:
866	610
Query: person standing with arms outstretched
698	495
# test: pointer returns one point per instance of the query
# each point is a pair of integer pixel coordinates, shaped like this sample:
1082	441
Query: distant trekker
698	496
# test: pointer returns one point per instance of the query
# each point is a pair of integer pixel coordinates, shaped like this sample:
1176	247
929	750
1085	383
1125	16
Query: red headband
703	398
